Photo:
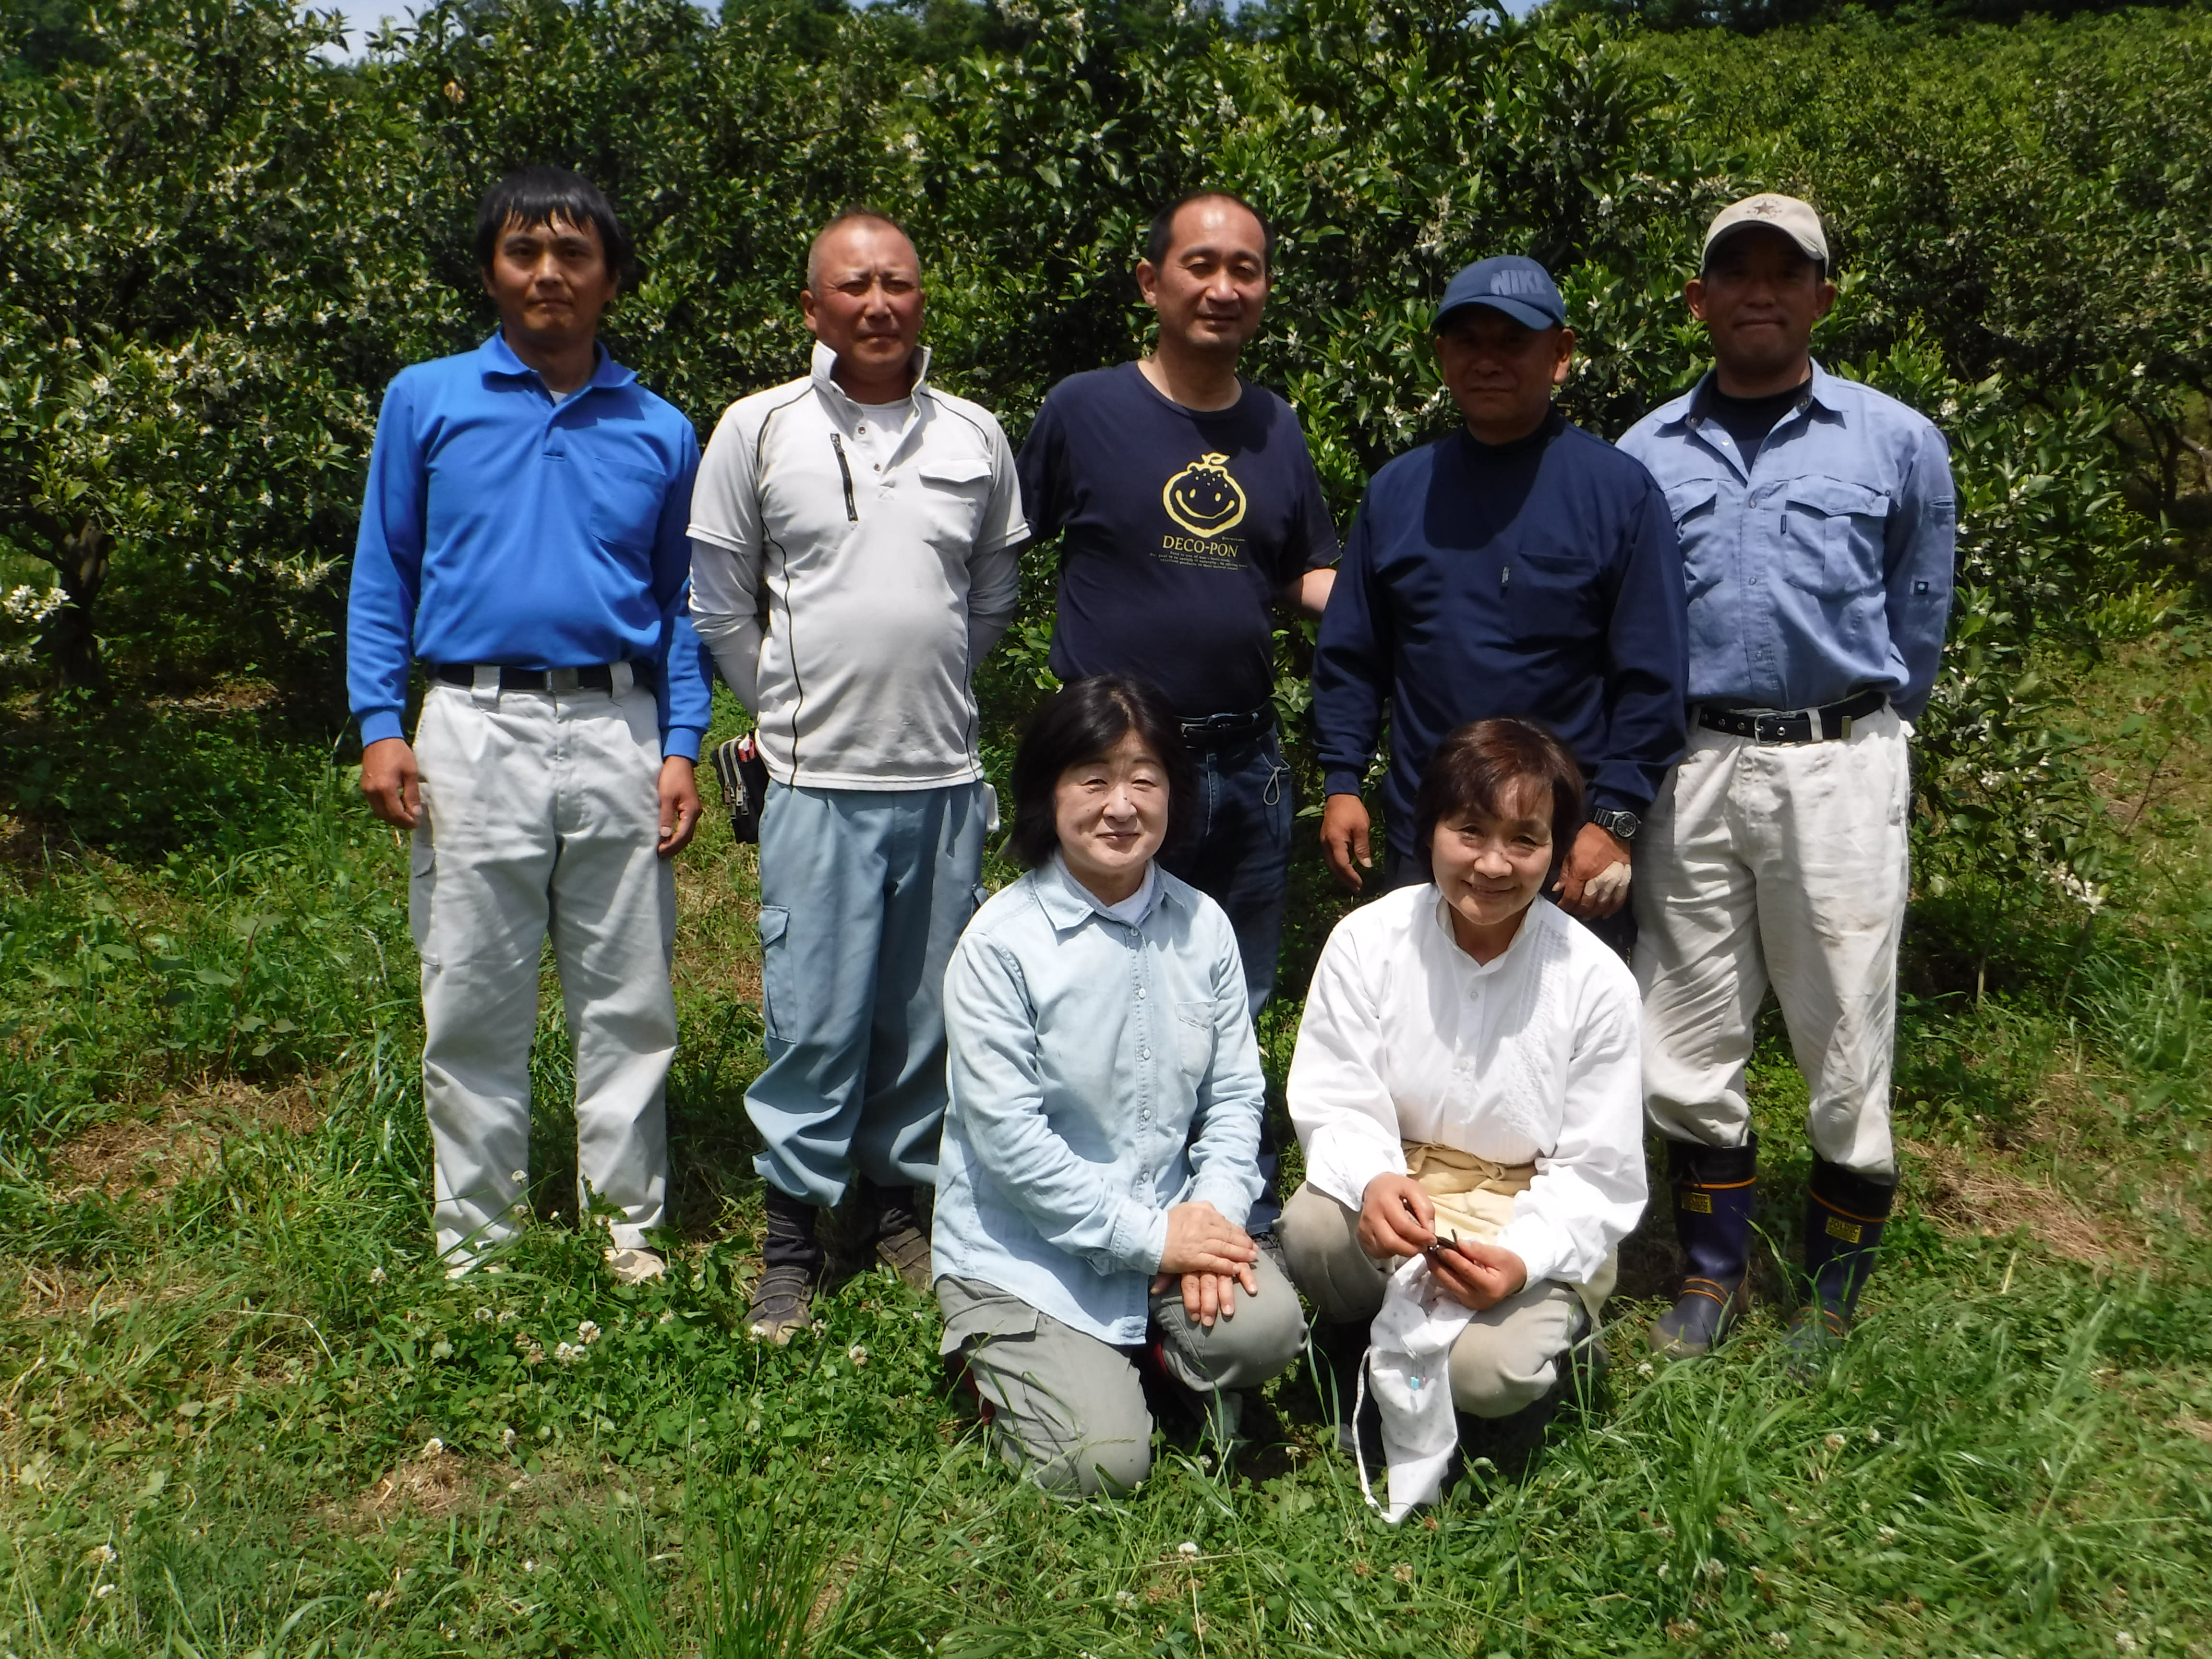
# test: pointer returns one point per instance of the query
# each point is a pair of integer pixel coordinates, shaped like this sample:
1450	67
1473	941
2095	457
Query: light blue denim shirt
1821	568
1081	1049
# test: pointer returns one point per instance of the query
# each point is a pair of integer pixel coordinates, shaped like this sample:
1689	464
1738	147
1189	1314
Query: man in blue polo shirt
523	538
1817	518
1189	511
1520	566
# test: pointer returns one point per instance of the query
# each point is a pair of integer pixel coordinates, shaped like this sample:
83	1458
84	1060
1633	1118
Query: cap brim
1812	251
1521	311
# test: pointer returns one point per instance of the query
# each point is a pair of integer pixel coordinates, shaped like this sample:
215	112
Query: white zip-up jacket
850	565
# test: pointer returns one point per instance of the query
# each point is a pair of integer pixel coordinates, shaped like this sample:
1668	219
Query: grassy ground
240	1415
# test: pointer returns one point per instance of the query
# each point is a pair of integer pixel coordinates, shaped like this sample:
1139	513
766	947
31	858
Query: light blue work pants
864	893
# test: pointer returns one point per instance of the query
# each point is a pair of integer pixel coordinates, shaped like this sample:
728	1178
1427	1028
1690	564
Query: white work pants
542	811
1782	864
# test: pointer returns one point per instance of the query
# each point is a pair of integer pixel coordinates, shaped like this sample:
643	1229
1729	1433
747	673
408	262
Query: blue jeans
864	893
1236	849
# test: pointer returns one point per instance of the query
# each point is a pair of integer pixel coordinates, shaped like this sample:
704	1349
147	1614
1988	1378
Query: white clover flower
1644	1370
567	1353
1186	1548
1779	1641
1834	1442
858	1355
103	1553
376	1275
1885	1534
1874	1435
485	1315
1124	1598
2124	1641
588	1331
507	1439
433	1447
518	1177
530	1566
104	1592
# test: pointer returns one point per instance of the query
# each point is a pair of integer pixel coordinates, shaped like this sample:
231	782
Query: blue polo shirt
1539	578
502	524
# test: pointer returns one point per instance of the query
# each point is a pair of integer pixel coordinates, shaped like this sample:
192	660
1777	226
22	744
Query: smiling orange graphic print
1203	498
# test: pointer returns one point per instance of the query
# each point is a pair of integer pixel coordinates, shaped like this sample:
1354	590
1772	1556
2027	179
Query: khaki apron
1473	1198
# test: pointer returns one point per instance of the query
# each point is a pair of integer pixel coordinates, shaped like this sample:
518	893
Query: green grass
219	1382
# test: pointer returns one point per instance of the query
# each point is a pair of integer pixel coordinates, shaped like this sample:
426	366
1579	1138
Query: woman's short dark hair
1082	720
529	197
1473	771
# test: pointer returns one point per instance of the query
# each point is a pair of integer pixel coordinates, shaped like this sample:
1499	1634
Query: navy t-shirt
1181	525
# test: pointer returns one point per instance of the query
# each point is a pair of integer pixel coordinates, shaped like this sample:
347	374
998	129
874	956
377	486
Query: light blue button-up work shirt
504	525
1081	1049
1821	568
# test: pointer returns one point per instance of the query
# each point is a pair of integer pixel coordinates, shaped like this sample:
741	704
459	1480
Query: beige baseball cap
1795	219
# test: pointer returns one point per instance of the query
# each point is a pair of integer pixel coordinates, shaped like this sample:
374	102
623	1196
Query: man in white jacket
1465	1091
855	536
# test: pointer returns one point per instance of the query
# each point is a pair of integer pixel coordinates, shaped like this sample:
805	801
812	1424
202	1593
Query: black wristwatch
1621	826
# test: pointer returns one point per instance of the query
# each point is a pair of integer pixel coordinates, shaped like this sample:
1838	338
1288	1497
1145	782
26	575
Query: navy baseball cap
1520	288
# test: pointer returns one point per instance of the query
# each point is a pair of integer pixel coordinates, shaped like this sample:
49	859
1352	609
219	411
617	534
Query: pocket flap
775	919
1194	1013
1686	498
954	472
1837	496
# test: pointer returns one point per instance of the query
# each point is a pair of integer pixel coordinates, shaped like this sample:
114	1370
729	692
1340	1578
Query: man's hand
1395	1218
1478	1275
392	785
1343	823
1595	851
680	805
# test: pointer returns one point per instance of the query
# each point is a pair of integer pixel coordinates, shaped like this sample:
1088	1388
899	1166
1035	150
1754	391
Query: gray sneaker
636	1266
782	1304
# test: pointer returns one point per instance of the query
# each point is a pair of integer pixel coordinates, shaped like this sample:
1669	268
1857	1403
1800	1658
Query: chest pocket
1832	537
1194	1032
1551	596
625	503
1694	504
955	490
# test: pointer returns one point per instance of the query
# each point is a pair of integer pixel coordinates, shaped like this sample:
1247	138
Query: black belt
1824	724
1219	730
595	676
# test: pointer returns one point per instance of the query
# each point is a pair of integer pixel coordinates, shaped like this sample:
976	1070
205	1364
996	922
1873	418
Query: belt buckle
561	682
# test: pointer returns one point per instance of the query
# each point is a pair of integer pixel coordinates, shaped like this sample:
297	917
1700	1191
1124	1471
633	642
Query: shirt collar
825	361
498	358
1695	405
1514	952
1068	904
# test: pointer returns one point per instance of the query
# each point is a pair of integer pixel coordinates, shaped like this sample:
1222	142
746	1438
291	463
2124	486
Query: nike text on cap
1520	288
1795	219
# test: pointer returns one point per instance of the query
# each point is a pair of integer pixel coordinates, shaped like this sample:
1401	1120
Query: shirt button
1144	1117
863	426
1140	991
1144	1053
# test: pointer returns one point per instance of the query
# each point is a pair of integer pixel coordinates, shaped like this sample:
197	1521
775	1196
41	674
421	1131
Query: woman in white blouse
1467	1090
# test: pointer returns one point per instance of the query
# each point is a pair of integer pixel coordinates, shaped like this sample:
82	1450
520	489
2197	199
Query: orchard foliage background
216	245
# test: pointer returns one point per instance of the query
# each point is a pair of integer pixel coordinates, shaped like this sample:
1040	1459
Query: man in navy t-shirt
1190	509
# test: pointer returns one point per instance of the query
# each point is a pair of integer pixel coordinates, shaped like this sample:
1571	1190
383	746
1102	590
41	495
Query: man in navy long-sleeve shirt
1520	566
523	538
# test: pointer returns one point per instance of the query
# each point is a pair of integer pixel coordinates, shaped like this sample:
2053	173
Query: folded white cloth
1408	1366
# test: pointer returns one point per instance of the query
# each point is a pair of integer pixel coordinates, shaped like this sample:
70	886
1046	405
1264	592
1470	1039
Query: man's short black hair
1160	238
529	197
1082	720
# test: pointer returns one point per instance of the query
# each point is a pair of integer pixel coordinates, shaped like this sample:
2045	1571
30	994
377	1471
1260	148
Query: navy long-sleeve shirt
1540	579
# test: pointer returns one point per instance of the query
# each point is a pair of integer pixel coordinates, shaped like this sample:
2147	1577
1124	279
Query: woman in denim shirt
1100	1150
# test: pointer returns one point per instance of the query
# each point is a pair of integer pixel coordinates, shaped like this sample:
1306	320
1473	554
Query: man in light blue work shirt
523	537
1817	518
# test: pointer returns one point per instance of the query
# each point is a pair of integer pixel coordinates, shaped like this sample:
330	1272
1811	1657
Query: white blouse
1534	1057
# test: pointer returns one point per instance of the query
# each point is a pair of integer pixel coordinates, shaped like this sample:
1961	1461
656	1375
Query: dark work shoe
900	1227
1845	1215
1512	1443
1715	1191
782	1304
